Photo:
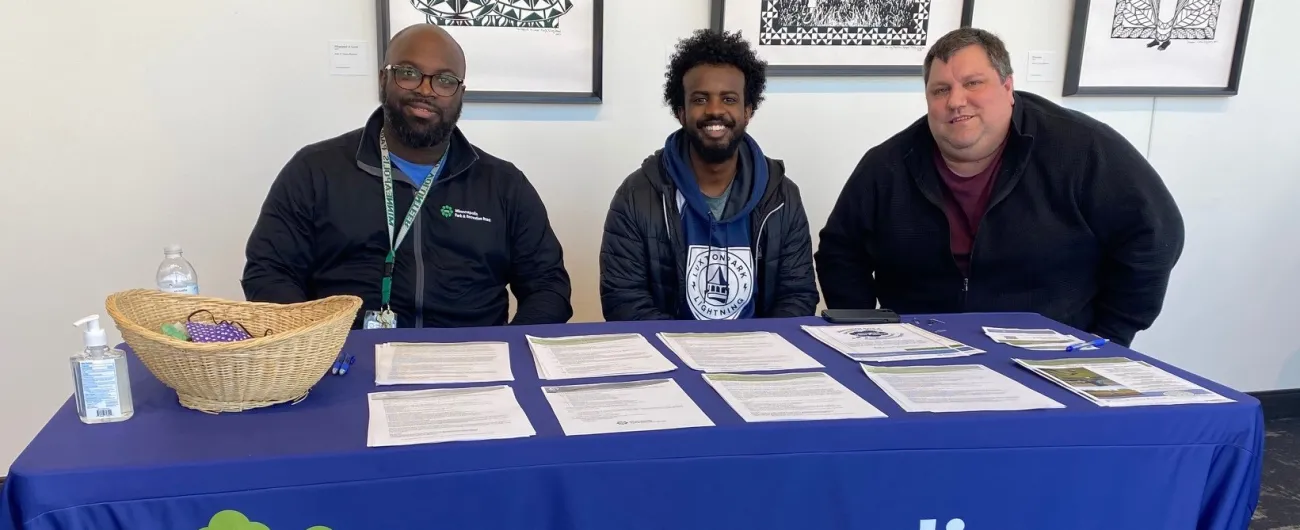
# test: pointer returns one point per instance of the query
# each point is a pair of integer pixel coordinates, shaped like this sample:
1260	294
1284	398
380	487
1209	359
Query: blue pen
1095	343
343	370
338	364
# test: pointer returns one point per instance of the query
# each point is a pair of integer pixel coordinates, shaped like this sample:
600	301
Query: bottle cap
94	335
172	249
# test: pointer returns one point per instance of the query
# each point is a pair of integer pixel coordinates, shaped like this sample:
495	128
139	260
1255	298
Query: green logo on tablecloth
233	520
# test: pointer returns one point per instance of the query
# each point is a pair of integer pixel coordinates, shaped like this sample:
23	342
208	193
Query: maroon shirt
965	199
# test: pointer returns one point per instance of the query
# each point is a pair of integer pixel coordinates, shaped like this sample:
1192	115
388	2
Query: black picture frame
717	18
1074	62
591	97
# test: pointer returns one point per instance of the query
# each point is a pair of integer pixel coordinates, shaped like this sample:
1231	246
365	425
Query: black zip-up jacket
1079	228
322	232
643	253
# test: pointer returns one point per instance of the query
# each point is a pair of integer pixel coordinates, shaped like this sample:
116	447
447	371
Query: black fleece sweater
1079	228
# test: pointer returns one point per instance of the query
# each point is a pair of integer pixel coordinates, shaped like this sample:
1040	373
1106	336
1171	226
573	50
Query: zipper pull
965	285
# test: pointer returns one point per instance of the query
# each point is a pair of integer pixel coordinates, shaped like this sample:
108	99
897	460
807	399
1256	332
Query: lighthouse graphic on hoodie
719	254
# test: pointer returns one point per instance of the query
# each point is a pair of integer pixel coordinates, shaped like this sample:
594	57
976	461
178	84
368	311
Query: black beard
713	154
419	136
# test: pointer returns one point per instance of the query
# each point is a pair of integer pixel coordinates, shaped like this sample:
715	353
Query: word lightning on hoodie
719	252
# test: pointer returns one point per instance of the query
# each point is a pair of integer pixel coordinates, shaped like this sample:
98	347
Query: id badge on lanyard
384	318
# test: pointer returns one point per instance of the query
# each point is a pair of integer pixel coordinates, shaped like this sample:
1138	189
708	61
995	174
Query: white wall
169	119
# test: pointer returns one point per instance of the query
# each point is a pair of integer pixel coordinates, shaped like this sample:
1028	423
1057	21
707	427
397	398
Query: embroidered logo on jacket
449	212
719	281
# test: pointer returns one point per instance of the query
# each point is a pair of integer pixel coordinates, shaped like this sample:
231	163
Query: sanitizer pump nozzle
93	335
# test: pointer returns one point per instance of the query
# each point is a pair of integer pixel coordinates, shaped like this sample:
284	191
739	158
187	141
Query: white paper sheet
351	57
1036	339
597	356
955	388
889	342
624	407
1121	382
790	397
737	352
445	415
398	363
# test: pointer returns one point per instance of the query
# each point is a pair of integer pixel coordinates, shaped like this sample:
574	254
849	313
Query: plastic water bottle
175	274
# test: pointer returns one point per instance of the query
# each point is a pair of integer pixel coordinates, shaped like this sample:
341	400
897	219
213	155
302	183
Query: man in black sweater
406	213
1000	200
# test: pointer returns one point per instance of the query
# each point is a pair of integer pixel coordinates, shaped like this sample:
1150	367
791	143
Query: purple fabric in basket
223	332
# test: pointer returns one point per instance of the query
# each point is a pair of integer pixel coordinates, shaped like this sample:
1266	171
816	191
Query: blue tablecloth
307	465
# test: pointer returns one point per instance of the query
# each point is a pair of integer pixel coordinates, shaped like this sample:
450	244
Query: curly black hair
714	47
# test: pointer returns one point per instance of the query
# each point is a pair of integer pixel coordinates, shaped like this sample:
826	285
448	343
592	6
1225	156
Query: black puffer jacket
643	256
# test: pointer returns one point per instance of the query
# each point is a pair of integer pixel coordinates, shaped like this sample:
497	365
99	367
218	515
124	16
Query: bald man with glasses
428	229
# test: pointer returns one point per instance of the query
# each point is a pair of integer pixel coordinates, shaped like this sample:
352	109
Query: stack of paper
445	415
790	397
889	342
624	407
955	388
423	363
597	356
1121	382
1036	339
737	352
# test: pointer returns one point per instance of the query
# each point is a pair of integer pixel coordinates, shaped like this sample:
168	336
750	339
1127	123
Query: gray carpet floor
1279	497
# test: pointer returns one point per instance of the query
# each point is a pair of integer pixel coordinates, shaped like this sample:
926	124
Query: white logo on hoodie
719	281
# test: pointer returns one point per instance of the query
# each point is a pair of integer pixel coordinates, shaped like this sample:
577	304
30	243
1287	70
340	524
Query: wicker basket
279	367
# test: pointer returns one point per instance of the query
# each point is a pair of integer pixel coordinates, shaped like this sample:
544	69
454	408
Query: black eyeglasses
410	78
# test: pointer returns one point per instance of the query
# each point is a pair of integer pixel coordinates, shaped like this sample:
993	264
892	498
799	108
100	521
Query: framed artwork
1156	47
517	51
842	37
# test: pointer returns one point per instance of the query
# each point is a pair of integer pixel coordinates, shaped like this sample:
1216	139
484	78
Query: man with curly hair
708	228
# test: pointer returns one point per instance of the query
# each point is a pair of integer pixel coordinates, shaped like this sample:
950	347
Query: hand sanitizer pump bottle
103	386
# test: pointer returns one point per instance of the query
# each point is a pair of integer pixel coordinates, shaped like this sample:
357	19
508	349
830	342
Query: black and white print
844	22
842	37
1156	47
1159	22
518	51
494	13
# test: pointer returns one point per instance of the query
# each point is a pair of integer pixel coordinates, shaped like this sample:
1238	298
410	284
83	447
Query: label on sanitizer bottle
99	388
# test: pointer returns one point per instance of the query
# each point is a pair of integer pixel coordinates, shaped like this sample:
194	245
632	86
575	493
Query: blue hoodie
720	267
